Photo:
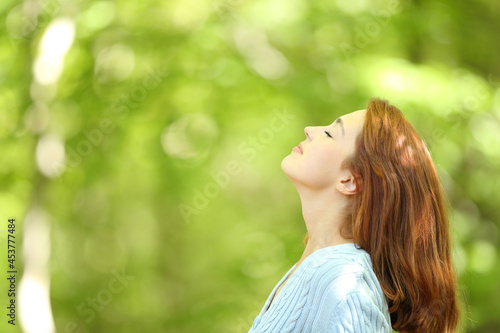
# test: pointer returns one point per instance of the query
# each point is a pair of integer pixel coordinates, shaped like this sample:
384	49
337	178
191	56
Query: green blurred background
141	144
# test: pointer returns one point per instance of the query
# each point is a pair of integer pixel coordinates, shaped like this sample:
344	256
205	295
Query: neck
324	213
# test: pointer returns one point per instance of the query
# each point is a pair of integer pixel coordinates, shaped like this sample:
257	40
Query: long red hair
399	217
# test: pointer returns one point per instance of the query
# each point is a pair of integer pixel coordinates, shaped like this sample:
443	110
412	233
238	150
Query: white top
333	290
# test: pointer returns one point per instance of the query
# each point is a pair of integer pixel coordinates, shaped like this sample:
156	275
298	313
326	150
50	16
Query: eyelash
327	133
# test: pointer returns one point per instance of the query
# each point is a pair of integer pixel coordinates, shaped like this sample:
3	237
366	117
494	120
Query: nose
309	131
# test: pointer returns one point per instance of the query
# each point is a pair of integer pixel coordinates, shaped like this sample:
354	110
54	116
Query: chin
286	164
289	167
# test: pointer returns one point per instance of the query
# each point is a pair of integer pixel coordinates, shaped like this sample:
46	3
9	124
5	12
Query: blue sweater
333	290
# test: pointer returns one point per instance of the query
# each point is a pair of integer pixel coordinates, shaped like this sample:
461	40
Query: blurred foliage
174	117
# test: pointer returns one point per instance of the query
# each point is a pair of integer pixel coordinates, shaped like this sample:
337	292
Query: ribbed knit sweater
333	290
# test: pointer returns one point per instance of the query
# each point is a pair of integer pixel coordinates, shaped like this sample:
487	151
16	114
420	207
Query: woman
377	252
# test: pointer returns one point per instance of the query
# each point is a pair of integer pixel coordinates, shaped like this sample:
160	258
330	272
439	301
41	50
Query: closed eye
328	133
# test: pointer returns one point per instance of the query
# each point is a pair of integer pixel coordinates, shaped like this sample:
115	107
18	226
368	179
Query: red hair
399	217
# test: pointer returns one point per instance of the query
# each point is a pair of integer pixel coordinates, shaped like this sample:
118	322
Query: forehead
353	122
355	118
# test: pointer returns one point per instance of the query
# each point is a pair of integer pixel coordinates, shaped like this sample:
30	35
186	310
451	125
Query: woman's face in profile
316	161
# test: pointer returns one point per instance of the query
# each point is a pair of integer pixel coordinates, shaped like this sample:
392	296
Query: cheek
322	156
320	167
317	168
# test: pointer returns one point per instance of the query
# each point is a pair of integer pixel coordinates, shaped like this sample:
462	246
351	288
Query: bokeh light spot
190	136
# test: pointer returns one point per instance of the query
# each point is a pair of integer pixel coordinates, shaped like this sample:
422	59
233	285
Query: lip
298	149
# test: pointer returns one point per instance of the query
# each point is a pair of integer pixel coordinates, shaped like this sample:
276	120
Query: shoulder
358	312
346	290
342	269
343	279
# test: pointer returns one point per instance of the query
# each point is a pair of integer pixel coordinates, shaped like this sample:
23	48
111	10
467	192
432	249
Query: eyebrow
341	123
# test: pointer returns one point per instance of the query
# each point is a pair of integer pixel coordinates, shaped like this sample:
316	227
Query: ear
346	185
